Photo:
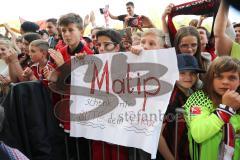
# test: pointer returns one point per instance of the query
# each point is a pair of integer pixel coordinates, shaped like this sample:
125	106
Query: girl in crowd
187	40
212	114
9	55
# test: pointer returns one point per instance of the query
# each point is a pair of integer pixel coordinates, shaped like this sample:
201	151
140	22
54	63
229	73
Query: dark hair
189	31
236	25
70	18
41	32
218	66
129	4
52	20
29	37
113	35
28	26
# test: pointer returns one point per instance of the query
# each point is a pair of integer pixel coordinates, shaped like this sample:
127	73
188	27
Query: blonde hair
6	43
157	32
41	44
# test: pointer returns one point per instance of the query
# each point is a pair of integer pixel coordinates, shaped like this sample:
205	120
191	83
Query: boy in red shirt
71	27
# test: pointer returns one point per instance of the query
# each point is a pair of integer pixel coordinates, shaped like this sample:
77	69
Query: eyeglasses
186	46
108	46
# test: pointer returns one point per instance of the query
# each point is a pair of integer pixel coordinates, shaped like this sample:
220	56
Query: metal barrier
179	111
78	157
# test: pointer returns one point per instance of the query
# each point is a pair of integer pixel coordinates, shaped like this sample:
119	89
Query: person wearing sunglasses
108	40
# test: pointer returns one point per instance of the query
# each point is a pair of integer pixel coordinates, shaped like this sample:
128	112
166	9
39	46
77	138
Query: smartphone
101	10
133	22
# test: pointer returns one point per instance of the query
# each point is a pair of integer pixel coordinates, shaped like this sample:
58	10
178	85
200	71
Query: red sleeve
35	72
65	54
87	50
172	29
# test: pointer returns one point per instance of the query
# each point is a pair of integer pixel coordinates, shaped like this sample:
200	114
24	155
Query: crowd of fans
207	92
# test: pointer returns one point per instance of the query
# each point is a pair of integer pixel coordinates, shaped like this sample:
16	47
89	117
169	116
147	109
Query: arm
93	19
201	121
165	30
15	69
202	17
166	12
112	16
13	37
223	43
235	123
163	147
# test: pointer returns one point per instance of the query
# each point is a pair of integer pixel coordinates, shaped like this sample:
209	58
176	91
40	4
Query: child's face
3	51
93	36
187	79
71	35
105	45
150	42
188	45
225	81
36	54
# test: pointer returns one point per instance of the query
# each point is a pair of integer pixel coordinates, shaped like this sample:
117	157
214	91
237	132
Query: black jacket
30	125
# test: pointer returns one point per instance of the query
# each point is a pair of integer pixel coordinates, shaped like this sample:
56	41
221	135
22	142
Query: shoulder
235	50
198	98
121	17
63	49
64	52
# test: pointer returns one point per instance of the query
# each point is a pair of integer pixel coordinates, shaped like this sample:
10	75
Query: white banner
121	98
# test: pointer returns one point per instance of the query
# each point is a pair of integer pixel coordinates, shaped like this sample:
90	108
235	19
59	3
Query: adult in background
125	17
53	32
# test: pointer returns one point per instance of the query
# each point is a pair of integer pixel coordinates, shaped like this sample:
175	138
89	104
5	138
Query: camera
101	10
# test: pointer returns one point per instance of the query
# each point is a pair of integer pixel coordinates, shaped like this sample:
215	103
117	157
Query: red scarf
197	7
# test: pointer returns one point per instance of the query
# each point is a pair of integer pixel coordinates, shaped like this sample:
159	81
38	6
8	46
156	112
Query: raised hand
136	49
80	56
232	99
56	56
27	73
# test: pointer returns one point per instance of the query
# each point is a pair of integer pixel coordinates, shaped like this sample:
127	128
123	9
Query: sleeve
121	17
235	50
234	120
172	29
201	121
167	39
